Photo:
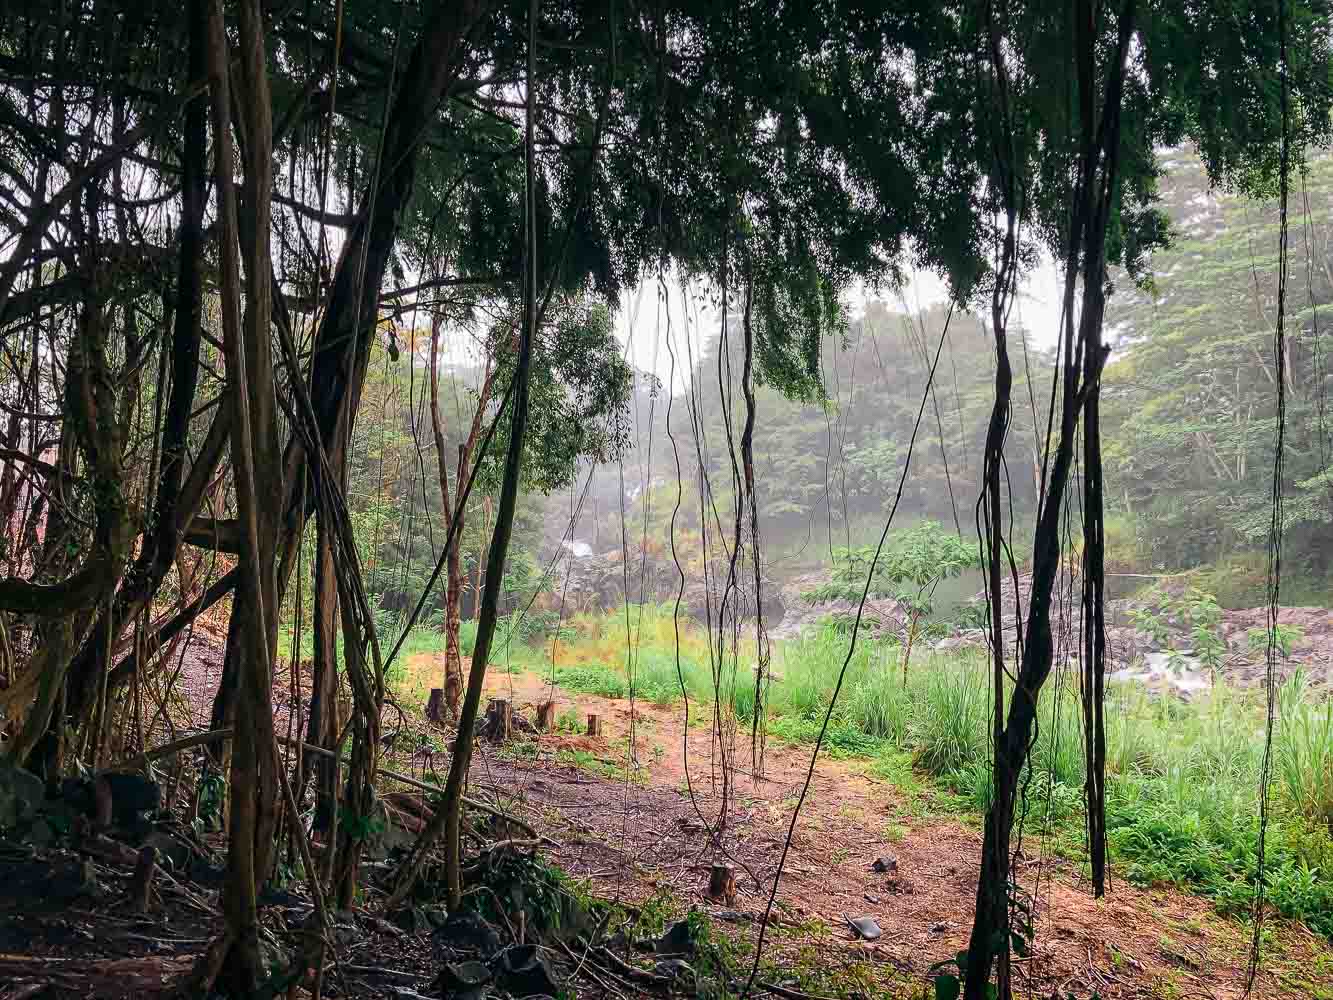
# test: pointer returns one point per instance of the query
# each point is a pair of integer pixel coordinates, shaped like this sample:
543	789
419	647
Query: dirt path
644	834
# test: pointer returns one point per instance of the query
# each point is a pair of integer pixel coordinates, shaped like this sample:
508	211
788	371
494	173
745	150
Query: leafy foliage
1197	612
910	568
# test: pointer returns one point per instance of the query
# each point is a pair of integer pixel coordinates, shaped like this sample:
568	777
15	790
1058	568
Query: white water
1156	671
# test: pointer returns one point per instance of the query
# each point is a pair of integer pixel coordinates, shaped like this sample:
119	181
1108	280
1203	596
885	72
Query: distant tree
580	389
909	569
915	563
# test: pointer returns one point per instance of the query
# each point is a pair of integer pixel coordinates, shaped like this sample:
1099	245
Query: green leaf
1019	944
947	987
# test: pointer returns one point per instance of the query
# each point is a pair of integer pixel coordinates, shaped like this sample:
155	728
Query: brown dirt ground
642	833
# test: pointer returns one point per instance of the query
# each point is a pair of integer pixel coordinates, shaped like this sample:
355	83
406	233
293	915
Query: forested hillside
1189	395
1189	425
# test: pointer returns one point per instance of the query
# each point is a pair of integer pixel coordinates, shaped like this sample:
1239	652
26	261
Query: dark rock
468	932
864	927
677	940
413	920
437	915
887	863
464	980
939	928
521	970
21	795
113	799
131	794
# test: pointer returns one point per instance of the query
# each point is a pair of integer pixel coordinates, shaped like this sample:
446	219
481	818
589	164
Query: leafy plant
1197	613
909	569
1285	638
209	798
358	826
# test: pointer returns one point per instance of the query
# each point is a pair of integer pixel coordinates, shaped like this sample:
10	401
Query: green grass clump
593	678
657	679
1305	758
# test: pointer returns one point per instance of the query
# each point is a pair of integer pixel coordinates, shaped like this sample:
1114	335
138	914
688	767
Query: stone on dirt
468	932
678	940
522	971
464	980
865	928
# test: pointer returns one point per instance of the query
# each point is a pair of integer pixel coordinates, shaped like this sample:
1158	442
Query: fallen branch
789	993
375	970
632	972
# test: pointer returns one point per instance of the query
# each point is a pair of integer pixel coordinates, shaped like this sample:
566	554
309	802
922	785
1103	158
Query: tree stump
546	717
499	720
594	725
435	706
722	884
141	886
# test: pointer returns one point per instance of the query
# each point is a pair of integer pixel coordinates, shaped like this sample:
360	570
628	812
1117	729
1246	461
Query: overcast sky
651	329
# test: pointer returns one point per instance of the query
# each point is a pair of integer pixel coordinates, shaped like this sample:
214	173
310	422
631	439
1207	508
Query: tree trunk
455	514
172	505
255	452
453	621
323	726
1091	209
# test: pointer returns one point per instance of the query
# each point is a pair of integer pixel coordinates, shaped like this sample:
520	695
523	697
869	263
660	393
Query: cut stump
141	887
435	706
722	884
594	725
546	717
499	720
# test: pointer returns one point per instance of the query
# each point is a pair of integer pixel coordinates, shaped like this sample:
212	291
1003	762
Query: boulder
21	797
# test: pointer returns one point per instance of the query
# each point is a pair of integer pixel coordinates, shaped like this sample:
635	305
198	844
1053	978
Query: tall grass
1305	755
1183	778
